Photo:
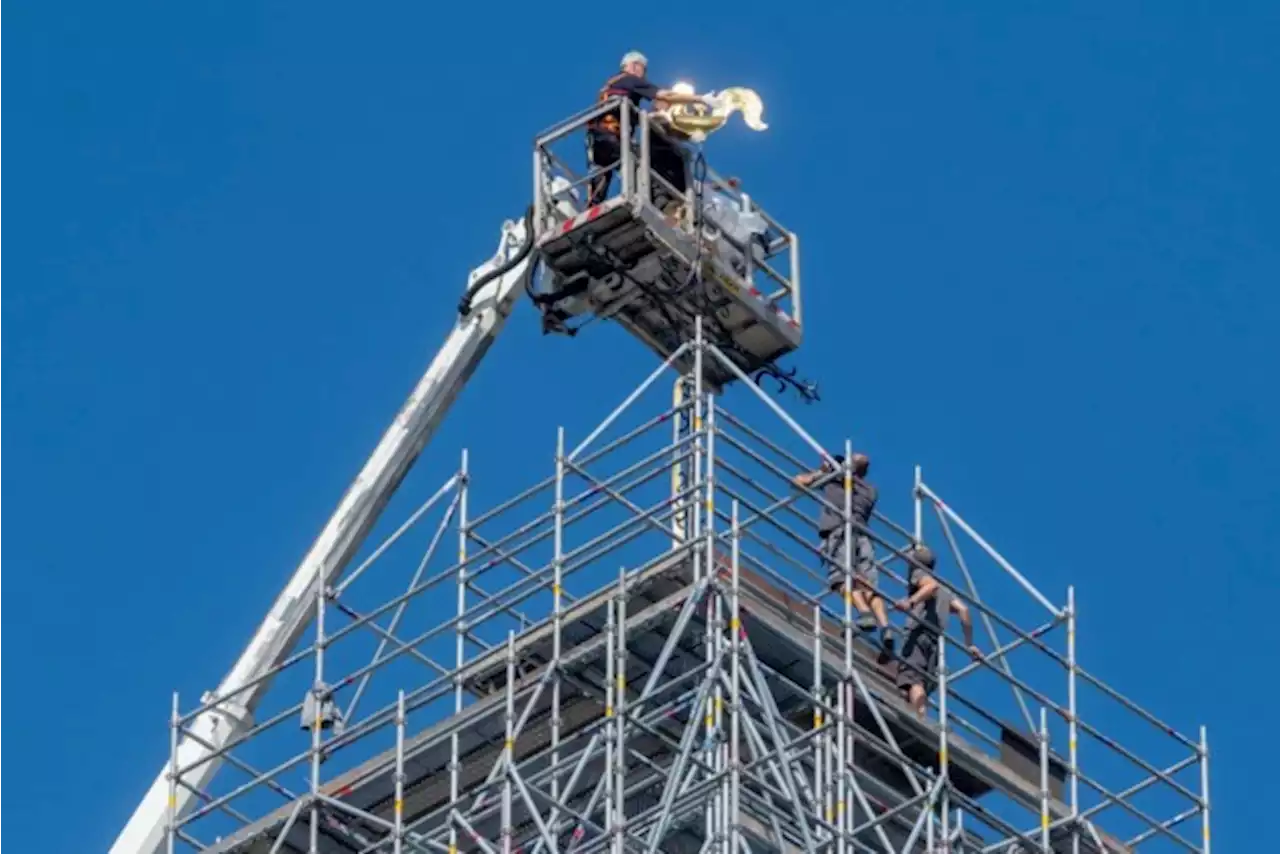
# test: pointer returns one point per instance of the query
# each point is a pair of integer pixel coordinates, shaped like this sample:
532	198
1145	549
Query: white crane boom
247	682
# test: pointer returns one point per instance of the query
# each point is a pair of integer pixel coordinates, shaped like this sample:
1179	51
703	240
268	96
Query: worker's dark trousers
604	152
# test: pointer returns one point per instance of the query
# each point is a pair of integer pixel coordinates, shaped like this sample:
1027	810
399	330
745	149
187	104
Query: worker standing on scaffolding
929	607
864	595
604	146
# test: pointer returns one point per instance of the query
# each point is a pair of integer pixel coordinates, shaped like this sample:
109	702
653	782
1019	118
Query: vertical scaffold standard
638	654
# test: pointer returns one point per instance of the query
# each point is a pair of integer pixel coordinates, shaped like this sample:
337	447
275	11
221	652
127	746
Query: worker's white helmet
634	56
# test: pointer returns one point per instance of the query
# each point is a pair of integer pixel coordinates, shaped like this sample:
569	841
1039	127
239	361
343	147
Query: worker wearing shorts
919	655
929	605
864	592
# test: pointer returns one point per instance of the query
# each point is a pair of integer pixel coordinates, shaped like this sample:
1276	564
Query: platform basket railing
772	269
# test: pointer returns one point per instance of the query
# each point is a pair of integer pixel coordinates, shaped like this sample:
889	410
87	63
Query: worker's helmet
633	56
923	555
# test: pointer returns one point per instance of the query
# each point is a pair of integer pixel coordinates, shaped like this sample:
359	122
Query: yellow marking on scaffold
817	719
734	624
399	806
942	756
608	711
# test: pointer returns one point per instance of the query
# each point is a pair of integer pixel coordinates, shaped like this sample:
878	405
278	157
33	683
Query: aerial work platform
654	259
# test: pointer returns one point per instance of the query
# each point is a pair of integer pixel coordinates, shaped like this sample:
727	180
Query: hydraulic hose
464	304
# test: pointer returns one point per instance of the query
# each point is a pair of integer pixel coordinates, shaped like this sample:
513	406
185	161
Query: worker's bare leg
875	606
866	580
918	699
867	600
879	611
838	586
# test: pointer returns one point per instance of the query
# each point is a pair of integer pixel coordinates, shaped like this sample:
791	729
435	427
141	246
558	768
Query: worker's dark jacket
635	89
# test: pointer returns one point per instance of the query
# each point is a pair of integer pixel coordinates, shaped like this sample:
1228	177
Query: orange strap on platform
610	122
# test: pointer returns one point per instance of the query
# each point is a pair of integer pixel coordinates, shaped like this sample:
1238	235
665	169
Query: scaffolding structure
639	654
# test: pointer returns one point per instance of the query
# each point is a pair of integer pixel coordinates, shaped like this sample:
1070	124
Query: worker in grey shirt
928	606
864	595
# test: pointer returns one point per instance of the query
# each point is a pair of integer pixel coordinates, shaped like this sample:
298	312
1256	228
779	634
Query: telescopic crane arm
491	294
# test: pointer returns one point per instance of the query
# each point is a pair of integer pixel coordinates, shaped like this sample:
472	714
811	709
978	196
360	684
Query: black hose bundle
464	304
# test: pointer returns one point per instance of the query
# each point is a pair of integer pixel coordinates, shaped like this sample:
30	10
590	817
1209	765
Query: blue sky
1041	260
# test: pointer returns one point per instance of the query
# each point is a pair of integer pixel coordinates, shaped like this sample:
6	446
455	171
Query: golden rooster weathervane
696	121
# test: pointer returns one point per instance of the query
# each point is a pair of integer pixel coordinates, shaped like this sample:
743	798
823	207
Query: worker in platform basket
864	595
604	146
928	606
